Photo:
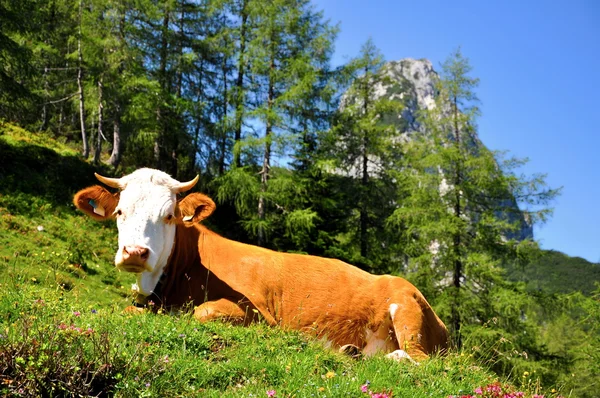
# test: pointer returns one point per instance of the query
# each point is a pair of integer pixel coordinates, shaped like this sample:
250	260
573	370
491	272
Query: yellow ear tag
97	208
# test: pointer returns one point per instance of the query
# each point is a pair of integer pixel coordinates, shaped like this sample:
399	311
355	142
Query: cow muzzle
135	259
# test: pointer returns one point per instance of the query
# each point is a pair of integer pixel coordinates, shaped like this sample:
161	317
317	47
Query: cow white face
146	220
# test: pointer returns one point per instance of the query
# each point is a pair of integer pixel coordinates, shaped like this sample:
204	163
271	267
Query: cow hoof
132	309
400	355
351	350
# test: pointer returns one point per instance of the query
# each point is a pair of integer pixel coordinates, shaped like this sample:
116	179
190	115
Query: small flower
330	375
94	311
321	389
364	388
182	335
147	385
76	313
271	393
478	390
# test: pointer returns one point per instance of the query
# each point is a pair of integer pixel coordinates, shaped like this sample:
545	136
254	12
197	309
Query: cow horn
186	186
111	182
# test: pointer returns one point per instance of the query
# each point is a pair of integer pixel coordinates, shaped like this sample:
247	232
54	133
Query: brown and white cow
178	261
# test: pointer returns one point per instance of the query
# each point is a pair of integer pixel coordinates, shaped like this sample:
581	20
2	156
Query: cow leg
408	323
222	309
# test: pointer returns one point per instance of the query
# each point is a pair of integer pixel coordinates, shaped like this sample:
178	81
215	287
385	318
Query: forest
302	156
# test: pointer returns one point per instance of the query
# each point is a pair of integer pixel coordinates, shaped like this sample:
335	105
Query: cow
178	261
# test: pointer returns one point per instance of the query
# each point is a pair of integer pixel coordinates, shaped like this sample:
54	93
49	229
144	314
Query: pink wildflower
478	390
537	396
364	388
76	313
271	393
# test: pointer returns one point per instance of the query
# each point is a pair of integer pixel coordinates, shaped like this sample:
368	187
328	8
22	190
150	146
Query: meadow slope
63	333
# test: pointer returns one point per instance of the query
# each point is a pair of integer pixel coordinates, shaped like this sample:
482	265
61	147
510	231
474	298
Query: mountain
413	83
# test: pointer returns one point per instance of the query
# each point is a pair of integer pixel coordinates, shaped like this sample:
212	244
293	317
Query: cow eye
169	217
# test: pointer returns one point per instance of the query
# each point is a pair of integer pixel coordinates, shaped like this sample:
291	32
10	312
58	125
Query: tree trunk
179	73
100	135
364	222
200	95
264	174
86	149
223	138
239	84
457	252
44	124
159	143
115	156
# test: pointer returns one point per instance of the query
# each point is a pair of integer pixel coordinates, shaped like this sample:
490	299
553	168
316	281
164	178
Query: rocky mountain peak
413	82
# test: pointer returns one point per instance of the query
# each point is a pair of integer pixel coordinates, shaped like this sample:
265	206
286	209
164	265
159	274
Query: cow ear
96	202
196	207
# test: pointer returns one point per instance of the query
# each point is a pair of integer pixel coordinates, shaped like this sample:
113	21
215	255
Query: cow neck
227	259
209	247
179	263
155	298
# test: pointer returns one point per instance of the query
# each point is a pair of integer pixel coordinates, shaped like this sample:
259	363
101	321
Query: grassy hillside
555	272
63	333
43	237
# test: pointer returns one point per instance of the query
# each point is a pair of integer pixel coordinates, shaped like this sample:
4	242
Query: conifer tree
361	145
283	70
458	216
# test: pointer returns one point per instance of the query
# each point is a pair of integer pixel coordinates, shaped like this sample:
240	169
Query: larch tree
282	71
362	145
458	216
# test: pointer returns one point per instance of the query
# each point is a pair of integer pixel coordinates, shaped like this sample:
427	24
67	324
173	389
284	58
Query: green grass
56	342
63	332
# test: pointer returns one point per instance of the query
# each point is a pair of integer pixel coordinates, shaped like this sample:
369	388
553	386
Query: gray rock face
413	82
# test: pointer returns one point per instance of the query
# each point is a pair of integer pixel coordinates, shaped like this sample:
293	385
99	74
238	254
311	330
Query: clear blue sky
539	65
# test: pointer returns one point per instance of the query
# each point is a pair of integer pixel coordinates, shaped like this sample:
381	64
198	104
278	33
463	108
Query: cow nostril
136	252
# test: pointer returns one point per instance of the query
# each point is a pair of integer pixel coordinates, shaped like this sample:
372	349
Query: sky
539	68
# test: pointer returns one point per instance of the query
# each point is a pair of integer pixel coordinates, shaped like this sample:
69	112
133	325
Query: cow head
147	214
